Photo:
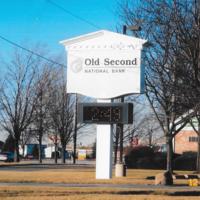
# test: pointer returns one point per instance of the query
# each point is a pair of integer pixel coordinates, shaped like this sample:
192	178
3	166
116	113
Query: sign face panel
104	66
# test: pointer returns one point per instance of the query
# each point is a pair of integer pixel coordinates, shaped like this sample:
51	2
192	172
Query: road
120	186
33	165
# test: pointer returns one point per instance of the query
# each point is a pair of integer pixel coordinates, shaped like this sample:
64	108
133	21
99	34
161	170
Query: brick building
185	140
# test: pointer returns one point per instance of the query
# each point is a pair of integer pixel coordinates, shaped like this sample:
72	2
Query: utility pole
75	130
120	127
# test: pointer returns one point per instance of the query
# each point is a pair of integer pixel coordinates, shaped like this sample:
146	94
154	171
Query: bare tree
168	73
132	130
41	123
24	139
80	129
150	130
189	36
17	98
54	137
196	128
61	113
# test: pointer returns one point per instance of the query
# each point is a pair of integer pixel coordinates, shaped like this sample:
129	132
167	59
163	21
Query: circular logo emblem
76	65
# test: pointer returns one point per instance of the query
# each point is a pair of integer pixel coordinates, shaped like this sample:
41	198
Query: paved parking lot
34	165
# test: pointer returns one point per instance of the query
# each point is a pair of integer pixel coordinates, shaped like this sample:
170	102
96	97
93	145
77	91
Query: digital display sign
106	113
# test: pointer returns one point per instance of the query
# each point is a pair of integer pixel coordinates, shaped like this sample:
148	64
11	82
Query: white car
3	156
7	156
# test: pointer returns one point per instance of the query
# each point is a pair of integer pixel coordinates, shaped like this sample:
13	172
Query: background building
186	140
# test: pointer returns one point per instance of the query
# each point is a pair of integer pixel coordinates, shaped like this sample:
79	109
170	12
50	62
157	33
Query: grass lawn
81	175
50	193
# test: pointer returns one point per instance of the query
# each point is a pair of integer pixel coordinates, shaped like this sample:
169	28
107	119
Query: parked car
7	156
29	156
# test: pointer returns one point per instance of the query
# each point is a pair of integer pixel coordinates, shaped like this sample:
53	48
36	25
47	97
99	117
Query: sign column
104	150
104	65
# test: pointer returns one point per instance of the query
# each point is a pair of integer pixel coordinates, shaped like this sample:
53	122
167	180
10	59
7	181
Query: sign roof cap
105	36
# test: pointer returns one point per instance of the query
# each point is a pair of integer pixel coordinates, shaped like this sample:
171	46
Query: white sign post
104	143
104	65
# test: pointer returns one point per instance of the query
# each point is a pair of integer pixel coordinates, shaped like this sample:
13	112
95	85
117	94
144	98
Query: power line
38	55
73	15
30	51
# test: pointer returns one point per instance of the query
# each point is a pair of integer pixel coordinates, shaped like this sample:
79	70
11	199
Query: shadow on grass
184	193
176	193
10	193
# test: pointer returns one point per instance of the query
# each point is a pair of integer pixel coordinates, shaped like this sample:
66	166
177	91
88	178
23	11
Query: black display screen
102	114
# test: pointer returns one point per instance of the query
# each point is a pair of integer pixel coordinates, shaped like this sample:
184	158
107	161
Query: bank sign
104	65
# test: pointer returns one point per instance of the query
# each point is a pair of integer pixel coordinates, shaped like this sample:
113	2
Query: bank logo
77	65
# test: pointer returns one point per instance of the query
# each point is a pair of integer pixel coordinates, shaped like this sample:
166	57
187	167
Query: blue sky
28	22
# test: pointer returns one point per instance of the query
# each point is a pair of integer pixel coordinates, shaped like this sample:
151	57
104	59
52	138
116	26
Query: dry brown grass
80	175
51	193
103	197
75	176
